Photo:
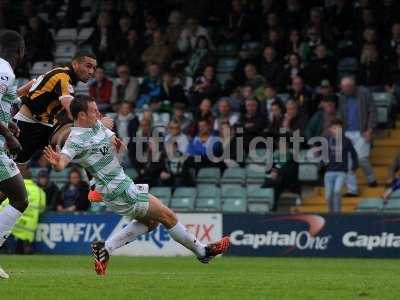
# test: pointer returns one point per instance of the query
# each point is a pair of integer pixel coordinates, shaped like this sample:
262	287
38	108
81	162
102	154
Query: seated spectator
189	35
270	66
204	111
101	89
150	163
227	147
203	145
152	25
224	114
178	115
39	42
322	66
370	71
205	86
294	42
283	175
303	97
294	119
317	21
157	52
174	29
292	69
252	121
74	193
274	39
252	78
340	16
270	96
135	15
125	87
325	90
102	38
237	23
129	49
319	123
307	47
358	112
124	25
175	135
337	167
151	85
51	190
200	57
175	167
171	90
277	113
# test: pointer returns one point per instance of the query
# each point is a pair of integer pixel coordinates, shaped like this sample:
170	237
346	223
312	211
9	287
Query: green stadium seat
131	172
258	208
208	175
370	205
392	207
233	191
259	156
395	194
234	205
308	172
256	193
208	198
184	199
255	174
163	193
234	175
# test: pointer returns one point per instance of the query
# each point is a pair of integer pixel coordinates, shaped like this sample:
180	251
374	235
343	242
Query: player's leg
14	189
159	212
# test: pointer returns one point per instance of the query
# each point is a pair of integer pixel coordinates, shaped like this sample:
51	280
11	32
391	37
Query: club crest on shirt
104	150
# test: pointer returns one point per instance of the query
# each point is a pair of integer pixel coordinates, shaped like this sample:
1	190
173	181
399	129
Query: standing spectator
38	41
370	72
100	89
129	49
225	114
390	47
151	85
322	66
252	121
158	52
303	97
171	90
190	33
51	190
126	87
74	193
102	39
252	77
175	135
125	123
358	111
340	149
205	86
270	67
294	119
200	57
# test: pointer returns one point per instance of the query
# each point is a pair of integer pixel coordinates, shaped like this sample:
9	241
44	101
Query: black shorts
33	137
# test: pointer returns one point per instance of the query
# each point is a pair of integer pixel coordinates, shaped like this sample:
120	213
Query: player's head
84	111
84	64
12	47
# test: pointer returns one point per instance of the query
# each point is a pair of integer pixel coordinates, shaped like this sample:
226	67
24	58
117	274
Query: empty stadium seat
259	156
308	172
110	68
66	35
234	205
370	205
183	199
82	88
226	49
232	191
392	207
234	175
226	65
395	194
208	175
64	52
256	193
222	78
35	172
258	208
208	198
163	193
255	174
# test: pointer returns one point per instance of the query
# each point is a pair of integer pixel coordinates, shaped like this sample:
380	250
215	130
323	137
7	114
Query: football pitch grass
72	277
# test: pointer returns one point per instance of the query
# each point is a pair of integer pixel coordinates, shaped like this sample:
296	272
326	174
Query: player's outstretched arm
58	160
118	144
24	89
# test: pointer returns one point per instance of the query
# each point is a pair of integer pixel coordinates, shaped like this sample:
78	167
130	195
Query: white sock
126	235
8	217
181	235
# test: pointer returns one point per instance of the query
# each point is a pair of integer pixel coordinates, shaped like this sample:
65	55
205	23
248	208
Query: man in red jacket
101	90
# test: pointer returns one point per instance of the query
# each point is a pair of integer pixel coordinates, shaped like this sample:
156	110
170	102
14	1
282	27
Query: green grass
71	277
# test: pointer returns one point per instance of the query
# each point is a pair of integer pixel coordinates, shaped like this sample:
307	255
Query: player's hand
108	122
13	145
117	143
51	156
13	128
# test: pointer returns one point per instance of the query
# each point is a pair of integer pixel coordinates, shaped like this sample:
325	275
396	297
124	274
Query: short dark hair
80	104
11	40
79	55
336	122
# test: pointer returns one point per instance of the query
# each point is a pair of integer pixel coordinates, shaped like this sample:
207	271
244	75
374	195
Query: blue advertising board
321	235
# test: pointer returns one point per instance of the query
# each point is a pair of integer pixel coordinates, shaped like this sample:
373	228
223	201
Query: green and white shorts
8	168
133	202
